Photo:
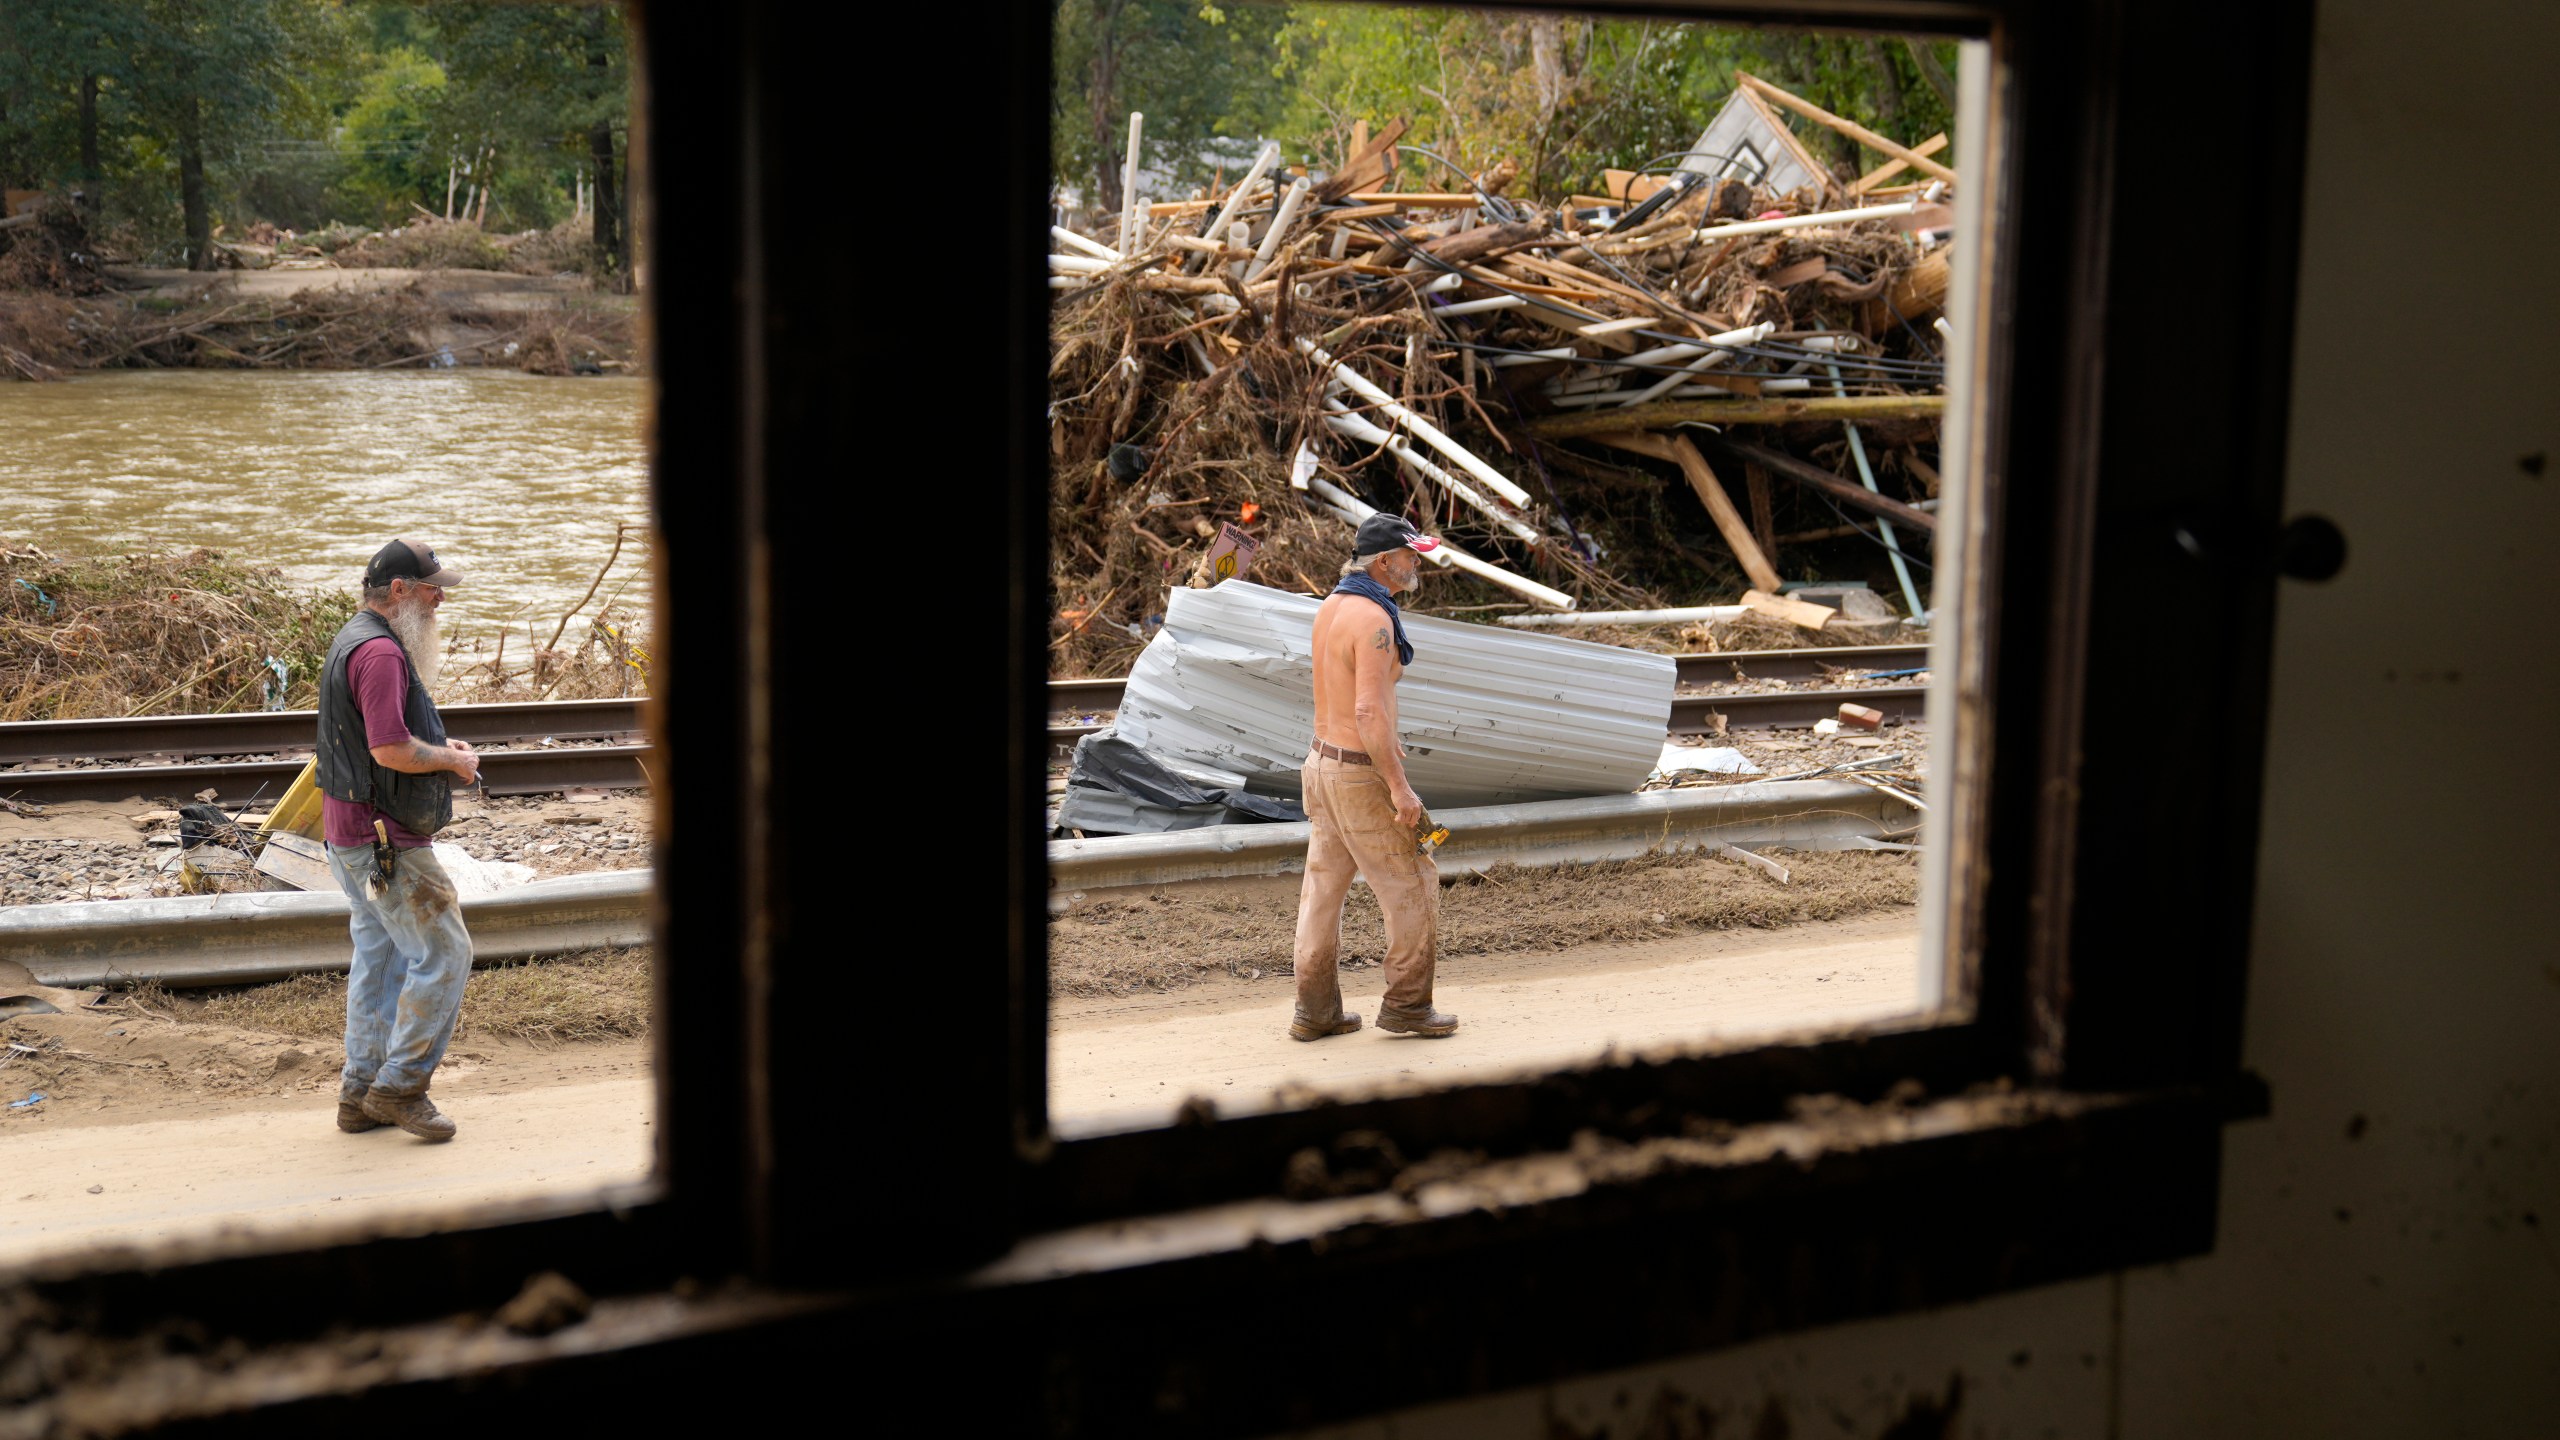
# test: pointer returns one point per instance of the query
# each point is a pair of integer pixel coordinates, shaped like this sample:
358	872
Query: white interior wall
2407	956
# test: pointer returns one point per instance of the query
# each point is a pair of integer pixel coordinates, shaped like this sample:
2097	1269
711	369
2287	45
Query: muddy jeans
412	955
1352	829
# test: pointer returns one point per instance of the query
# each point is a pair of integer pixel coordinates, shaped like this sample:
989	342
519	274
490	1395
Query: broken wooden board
1768	410
1803	614
299	861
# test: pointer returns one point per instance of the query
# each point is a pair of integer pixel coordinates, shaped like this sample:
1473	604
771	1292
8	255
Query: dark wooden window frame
854	1161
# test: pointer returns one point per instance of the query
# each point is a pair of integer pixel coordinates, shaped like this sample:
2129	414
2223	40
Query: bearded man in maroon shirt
386	775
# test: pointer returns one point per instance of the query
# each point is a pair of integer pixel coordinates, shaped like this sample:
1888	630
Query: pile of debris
1238	377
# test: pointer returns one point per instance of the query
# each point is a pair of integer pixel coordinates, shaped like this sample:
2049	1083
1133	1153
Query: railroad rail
1075	705
598	743
596	746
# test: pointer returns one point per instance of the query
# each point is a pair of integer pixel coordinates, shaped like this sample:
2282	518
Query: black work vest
348	771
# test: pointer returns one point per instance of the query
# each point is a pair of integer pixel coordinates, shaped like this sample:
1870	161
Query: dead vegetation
156	635
562	999
1169	938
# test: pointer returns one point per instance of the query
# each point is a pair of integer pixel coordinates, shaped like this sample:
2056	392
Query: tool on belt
385	859
1430	833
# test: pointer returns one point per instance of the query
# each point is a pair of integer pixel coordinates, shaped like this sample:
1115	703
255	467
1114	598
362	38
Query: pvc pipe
1074	241
1535	357
1747	335
1356	510
1235	198
1708	613
1430	434
1359	428
1476	307
1131	212
1800	222
1078	264
1444	284
1067	282
1280	221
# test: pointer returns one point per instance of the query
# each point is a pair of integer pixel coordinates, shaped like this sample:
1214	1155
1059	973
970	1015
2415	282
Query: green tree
539	92
1198	72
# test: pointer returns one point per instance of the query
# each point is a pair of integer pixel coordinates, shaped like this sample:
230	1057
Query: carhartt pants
404	991
1353	830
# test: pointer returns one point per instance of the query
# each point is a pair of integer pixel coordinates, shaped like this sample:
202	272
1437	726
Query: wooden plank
1803	614
1711	492
1356	212
1850	128
1764	523
1847	492
1768	410
1891	168
1366	166
1415	200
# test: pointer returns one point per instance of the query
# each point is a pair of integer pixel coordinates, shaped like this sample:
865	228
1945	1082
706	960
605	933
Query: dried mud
1128	941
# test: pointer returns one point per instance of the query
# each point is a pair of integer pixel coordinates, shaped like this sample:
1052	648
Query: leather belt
1347	757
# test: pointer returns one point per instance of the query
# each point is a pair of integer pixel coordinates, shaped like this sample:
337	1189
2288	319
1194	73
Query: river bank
326	319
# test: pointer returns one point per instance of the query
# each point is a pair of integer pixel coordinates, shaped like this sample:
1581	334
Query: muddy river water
517	479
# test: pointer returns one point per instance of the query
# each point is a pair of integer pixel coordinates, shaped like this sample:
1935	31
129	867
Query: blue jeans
404	991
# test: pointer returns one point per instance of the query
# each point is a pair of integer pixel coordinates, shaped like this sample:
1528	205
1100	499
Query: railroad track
167	756
1075	706
597	742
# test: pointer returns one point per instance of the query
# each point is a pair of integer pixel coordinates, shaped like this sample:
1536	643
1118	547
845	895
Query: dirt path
533	1123
1127	1062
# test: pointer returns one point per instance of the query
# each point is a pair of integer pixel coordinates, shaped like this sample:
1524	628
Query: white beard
422	637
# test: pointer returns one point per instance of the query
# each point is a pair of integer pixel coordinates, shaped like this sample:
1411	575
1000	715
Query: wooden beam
1847	492
1414	200
1850	128
1768	410
1891	168
1702	478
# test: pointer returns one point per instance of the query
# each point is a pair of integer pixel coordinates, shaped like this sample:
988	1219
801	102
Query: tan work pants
1353	831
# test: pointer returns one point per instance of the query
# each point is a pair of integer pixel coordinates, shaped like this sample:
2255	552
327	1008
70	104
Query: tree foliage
1564	96
176	116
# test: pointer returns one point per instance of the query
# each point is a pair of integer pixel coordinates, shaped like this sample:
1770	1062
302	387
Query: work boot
411	1111
353	1120
1425	1021
1342	1023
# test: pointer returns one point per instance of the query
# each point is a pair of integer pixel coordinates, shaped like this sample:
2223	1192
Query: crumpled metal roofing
1488	715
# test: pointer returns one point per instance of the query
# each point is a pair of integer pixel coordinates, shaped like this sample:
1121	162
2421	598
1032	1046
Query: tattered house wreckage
1242	376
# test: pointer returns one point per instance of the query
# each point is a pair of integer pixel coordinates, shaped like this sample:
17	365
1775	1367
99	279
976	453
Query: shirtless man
1361	811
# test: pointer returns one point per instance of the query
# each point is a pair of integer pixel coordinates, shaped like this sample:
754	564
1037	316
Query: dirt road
265	1164
1128	1062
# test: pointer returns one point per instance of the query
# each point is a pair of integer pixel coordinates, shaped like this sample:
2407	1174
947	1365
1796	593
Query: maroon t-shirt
379	675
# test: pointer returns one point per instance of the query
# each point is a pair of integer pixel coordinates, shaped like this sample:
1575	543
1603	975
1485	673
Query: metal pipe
1867	477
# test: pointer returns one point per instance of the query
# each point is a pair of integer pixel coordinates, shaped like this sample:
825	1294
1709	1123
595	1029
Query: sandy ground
156	1128
1126	1062
154	1167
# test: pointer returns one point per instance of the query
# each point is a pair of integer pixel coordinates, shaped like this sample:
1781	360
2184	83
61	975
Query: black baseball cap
408	560
1381	533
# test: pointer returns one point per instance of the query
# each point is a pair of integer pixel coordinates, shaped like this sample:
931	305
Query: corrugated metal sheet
1489	716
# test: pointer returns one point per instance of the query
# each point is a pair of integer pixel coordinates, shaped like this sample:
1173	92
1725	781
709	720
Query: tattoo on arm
1378	641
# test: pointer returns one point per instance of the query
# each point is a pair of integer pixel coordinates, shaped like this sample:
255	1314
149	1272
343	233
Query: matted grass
591	995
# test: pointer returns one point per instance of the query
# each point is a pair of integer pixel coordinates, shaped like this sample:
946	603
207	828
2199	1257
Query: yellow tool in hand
1430	832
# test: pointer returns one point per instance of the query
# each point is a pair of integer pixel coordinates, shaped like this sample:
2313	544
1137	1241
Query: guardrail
193	940
1804	814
